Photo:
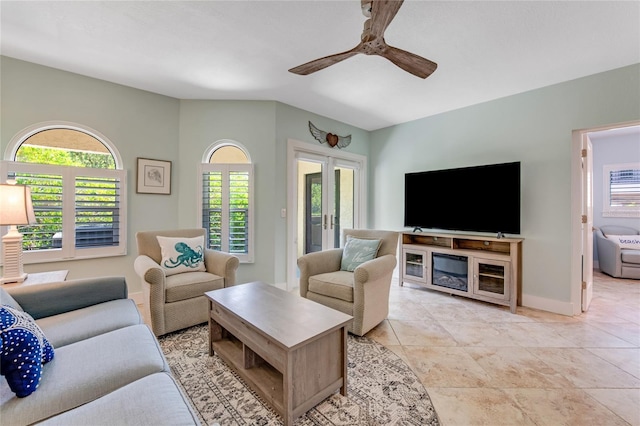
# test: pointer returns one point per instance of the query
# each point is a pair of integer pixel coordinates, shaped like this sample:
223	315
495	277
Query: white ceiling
242	49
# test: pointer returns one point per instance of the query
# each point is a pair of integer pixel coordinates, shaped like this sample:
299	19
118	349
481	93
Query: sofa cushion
338	285
181	254
87	370
188	286
158	401
630	256
626	241
80	324
24	349
357	251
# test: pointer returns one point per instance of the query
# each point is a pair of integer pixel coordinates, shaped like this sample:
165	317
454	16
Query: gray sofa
613	260
107	368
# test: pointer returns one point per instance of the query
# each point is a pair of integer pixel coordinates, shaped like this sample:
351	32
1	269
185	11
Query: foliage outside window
227	201
77	192
621	190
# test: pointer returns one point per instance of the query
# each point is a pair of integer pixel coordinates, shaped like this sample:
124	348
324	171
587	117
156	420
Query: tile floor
482	365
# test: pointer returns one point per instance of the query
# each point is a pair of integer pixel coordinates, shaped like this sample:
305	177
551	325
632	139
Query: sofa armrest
609	256
44	300
222	264
315	263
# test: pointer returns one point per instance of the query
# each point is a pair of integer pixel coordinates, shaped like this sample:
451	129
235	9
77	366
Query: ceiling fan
380	14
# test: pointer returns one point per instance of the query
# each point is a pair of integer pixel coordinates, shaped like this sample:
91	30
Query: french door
326	195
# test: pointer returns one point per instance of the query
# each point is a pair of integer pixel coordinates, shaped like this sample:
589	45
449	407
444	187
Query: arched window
227	199
77	187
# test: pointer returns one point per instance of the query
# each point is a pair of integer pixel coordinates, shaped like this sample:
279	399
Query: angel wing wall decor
325	137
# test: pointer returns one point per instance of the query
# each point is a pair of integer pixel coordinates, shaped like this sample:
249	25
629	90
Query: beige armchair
363	293
174	302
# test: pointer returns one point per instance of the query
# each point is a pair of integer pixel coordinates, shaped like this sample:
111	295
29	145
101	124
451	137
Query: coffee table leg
343	388
215	330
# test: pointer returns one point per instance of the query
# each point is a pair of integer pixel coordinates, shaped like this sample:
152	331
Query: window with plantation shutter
621	190
227	201
77	191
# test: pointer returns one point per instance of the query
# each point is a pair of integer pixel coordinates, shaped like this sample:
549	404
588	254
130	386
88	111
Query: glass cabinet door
491	278
414	264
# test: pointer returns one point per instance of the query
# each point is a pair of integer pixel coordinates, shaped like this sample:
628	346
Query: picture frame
153	176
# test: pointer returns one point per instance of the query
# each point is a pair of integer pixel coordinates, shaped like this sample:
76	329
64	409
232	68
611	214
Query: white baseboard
549	305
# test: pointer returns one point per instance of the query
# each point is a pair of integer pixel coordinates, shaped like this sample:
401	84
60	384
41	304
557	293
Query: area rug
381	388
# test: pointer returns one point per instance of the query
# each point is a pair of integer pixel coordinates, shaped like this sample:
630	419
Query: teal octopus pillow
182	254
24	349
357	251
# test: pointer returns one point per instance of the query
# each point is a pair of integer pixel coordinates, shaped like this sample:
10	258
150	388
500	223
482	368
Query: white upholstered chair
362	293
174	301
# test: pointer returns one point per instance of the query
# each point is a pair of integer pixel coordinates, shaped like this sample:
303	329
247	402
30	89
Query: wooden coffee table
290	350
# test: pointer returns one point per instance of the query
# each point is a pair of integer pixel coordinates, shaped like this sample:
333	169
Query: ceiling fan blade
322	63
382	13
416	65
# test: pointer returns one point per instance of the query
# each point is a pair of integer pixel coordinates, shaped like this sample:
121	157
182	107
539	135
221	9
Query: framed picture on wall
154	177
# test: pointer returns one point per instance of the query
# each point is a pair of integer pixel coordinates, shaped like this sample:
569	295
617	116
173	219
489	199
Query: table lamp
16	208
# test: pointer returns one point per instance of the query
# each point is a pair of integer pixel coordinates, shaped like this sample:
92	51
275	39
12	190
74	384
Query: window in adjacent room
227	211
78	189
621	190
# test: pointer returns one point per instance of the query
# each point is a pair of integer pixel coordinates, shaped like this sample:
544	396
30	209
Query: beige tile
535	334
477	334
543	316
446	366
517	368
524	368
422	333
408	310
552	407
627	359
624	402
584	369
383	334
587	336
471	407
627	331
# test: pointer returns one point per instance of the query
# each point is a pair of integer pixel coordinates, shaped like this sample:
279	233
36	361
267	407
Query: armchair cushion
626	241
181	254
338	285
188	286
24	350
357	251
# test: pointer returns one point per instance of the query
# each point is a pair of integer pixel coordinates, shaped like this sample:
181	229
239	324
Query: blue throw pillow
357	251
24	349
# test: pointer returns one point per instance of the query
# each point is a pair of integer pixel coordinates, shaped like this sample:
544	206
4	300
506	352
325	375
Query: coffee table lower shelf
266	380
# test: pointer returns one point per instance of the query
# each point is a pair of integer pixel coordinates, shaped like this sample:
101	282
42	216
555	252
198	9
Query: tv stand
474	266
417	229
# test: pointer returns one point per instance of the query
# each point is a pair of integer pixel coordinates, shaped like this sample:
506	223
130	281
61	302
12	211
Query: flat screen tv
480	199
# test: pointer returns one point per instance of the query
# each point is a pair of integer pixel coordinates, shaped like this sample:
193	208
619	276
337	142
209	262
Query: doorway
582	214
326	194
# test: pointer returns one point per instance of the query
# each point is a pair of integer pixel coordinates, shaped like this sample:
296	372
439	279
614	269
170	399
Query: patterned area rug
381	388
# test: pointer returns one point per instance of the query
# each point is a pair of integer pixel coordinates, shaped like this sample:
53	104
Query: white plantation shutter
79	211
227	208
622	190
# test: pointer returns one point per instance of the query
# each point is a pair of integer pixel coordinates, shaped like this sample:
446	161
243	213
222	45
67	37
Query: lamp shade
16	207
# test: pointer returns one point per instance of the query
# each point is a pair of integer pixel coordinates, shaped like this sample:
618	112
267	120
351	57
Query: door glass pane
342	216
309	207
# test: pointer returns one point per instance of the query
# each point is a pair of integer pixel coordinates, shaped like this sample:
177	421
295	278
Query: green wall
138	123
534	128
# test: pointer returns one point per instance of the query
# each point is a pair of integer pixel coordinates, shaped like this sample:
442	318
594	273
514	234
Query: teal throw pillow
24	349
357	251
